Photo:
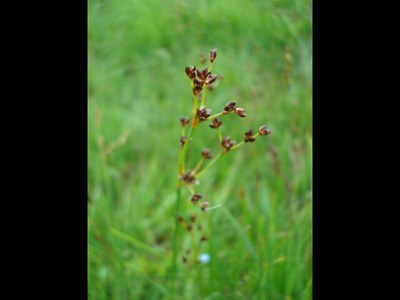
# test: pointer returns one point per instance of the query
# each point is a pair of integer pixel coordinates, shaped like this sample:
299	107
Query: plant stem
198	166
219	134
237	146
214	116
210	164
175	237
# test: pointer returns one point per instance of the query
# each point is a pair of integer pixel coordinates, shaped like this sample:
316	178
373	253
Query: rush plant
189	177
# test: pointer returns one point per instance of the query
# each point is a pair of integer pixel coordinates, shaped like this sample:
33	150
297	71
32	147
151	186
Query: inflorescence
201	79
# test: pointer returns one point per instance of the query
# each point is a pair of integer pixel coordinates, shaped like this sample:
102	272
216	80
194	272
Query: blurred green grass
261	238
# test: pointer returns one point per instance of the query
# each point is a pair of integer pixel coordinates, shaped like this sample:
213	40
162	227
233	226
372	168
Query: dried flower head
204	205
203	113
216	123
213	55
227	143
206	153
211	79
190	72
263	130
240	112
195	198
193	218
184	121
188	177
248	136
182	140
229	107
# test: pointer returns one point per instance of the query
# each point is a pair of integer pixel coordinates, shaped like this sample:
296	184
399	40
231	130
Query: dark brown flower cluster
248	136
231	107
216	123
200	78
227	143
203	113
263	130
206	153
188	177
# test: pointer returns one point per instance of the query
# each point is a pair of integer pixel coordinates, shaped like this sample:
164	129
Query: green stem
198	166
237	146
175	238
210	164
219	134
215	116
182	157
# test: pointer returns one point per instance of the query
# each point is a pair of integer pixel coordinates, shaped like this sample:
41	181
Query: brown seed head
190	72
189	227
182	140
188	177
227	143
206	154
203	238
204	73
263	130
229	107
203	113
216	123
213	55
193	218
181	219
240	112
196	90
211	79
195	198
184	121
204	205
248	136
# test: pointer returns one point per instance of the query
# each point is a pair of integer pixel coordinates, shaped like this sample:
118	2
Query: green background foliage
260	239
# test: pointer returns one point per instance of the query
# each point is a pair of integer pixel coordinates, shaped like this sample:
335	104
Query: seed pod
188	177
240	112
198	74
196	90
203	113
211	79
215	123
263	130
206	154
203	238
248	136
213	55
203	206
184	121
229	107
187	71
190	72
189	227
227	143
195	198
204	73
193	218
